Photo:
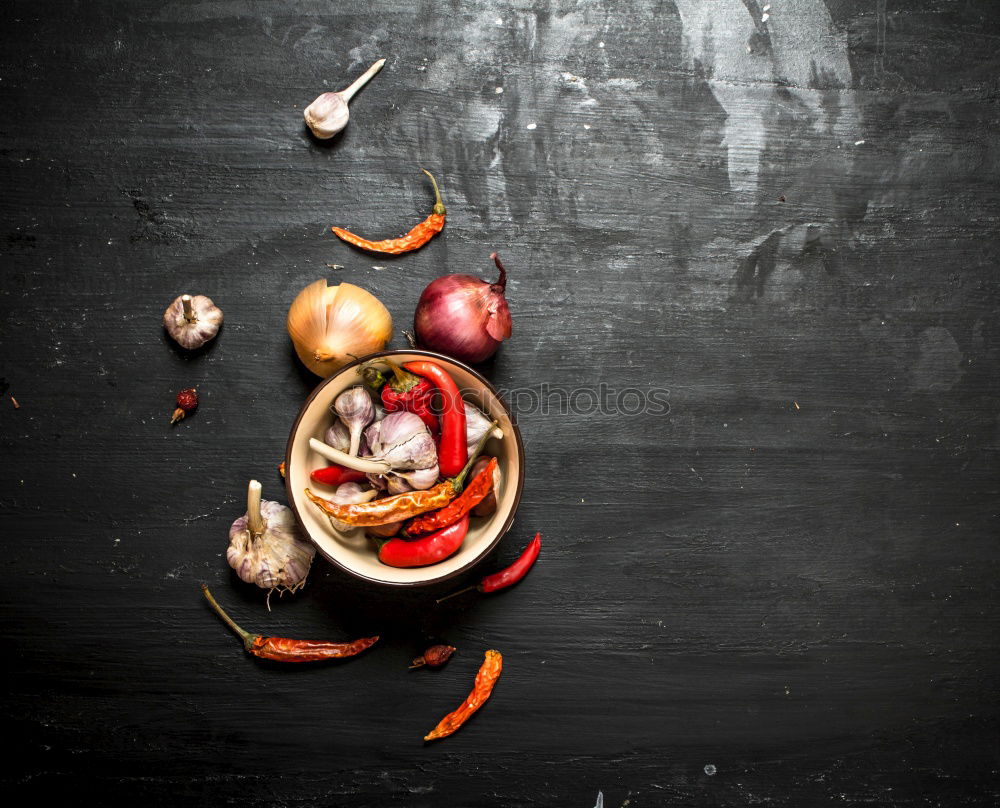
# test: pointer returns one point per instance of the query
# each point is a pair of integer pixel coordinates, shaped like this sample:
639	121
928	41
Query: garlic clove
355	408
328	114
192	320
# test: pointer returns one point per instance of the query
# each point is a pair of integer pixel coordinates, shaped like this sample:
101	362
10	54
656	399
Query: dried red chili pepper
489	504
401	506
453	451
425	551
187	400
474	493
417	237
508	576
282	649
434	657
411	393
335	475
487	677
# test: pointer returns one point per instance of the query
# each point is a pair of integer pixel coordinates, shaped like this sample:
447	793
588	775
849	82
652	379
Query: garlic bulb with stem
328	114
356	411
266	548
330	325
192	320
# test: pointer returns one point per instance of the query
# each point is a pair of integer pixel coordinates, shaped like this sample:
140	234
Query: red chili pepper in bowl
410	393
428	550
474	493
508	576
336	475
453	451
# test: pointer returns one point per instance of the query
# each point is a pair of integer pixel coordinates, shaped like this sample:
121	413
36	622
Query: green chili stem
459	480
438	204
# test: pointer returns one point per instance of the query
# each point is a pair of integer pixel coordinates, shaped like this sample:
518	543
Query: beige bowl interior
356	552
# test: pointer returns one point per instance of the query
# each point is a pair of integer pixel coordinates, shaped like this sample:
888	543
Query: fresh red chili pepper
187	400
335	475
417	237
487	677
453	451
474	493
428	550
283	649
508	576
408	392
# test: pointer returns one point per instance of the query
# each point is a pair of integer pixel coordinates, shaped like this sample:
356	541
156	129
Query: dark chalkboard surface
777	586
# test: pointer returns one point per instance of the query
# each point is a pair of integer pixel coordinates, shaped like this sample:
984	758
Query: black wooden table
773	584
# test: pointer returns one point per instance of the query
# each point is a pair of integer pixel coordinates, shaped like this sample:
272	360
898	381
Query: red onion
464	316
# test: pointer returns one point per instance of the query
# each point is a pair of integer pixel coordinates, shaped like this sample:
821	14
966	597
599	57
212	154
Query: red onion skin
463	316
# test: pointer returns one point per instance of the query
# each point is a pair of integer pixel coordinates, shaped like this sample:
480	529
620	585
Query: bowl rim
517	494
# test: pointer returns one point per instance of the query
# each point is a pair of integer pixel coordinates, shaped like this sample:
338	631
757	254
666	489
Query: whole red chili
187	400
410	393
434	657
474	493
282	649
422	552
417	237
335	475
453	451
508	576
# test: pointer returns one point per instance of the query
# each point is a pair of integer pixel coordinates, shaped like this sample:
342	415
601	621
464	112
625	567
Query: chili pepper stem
177	415
255	521
459	481
246	636
361	81
456	594
189	314
438	204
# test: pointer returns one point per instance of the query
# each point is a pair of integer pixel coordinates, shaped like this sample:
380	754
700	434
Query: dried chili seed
187	400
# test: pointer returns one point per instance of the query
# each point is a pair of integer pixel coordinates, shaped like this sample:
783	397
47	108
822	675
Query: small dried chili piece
474	493
434	657
417	237
283	649
487	677
453	451
335	475
408	392
508	576
425	551
187	400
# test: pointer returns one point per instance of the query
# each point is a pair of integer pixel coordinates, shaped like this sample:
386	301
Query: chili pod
473	494
434	657
488	505
508	576
282	649
453	452
336	474
487	677
424	551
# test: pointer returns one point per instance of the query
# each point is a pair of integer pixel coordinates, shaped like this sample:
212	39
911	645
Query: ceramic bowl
356	553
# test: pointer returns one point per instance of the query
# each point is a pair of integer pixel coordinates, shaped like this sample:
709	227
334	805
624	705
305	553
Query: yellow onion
331	325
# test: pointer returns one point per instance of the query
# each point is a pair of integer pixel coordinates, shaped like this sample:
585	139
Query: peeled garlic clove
328	114
265	547
192	320
356	411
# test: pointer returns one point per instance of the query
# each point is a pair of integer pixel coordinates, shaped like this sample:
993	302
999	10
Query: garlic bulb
477	425
330	325
356	411
265	547
192	320
328	114
405	442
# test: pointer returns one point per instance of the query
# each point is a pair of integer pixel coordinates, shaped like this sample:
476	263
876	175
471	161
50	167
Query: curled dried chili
474	493
417	237
283	649
487	677
452	449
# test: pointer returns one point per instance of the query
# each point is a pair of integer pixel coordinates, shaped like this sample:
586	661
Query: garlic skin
192	320
330	325
265	546
327	115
